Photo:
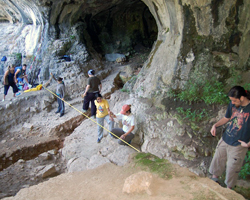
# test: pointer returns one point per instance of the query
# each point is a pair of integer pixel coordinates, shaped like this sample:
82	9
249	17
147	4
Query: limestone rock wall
188	31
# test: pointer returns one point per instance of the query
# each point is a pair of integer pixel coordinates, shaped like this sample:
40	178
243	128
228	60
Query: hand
213	130
63	99
123	136
243	144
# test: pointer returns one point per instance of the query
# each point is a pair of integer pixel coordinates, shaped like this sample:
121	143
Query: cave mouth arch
126	27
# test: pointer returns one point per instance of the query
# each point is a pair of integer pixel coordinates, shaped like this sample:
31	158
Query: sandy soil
106	182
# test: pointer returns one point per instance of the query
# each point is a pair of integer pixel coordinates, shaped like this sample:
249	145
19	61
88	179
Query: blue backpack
4	58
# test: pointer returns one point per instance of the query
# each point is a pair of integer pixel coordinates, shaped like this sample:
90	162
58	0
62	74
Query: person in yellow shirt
103	113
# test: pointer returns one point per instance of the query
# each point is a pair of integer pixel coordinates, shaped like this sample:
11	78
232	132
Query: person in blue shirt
20	74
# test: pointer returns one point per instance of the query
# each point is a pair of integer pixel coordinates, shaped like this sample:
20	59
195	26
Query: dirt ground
106	182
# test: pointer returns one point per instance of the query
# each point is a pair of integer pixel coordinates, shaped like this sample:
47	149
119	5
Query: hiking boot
61	114
98	140
84	111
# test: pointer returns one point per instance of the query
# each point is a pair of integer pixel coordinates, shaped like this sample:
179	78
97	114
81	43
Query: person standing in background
60	92
8	80
94	86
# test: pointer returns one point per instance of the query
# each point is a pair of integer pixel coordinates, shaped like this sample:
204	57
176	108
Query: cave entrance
128	27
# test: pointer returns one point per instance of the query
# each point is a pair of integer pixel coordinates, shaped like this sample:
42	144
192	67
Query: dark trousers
60	105
90	97
14	87
119	132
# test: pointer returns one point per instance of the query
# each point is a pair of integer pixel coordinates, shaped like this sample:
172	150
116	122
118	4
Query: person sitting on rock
8	81
20	74
128	122
103	113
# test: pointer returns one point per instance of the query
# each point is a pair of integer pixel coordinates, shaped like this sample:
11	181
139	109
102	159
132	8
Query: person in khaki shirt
103	113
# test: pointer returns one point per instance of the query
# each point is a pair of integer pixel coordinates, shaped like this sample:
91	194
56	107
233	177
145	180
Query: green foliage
195	116
246	86
245	170
154	164
19	56
213	92
210	91
191	93
72	37
125	90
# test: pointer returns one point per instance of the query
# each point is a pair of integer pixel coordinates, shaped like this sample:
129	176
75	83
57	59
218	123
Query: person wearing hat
128	125
94	86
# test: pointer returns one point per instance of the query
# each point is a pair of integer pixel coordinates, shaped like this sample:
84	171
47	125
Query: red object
125	108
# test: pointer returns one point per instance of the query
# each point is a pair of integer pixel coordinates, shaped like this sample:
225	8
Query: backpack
4	58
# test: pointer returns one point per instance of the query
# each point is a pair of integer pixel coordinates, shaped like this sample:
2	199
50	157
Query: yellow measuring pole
91	119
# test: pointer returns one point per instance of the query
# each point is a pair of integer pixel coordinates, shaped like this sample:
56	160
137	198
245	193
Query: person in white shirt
128	122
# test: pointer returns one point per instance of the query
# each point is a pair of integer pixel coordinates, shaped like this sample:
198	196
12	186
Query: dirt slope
106	182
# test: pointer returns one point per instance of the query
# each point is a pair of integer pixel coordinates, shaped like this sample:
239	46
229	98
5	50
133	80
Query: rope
91	119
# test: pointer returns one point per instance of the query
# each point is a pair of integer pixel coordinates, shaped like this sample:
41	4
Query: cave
128	27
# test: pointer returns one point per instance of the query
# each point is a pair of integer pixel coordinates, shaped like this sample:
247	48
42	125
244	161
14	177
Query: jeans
60	104
101	122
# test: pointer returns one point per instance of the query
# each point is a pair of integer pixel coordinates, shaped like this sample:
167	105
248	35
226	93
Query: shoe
57	112
61	114
98	140
215	180
84	111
